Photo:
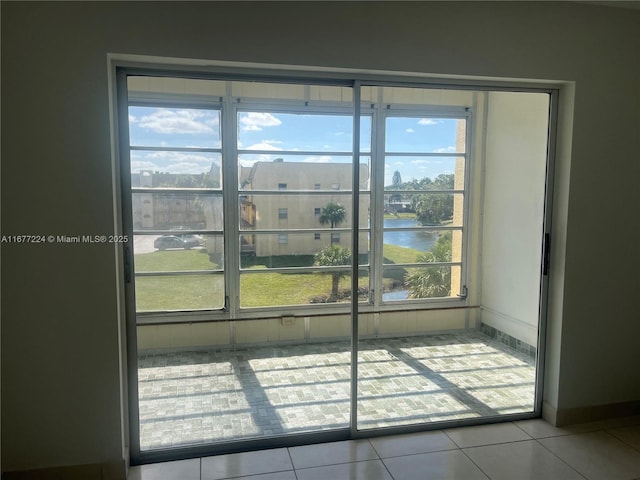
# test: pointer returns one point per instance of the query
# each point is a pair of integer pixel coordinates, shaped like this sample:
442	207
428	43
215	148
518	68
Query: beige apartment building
293	196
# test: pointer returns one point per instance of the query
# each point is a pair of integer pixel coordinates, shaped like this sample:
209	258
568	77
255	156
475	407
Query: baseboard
115	470
569	416
508	340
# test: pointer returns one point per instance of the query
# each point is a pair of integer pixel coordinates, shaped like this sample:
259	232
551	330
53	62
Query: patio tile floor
190	398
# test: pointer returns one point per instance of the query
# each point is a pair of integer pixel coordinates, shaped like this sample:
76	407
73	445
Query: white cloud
449	149
264	145
137	165
132	119
179	121
318	159
179	157
410	130
250	159
427	121
258	120
171	162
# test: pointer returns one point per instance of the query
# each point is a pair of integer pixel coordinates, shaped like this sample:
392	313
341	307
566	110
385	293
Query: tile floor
523	450
191	398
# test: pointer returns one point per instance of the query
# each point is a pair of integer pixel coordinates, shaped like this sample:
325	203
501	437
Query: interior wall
513	210
61	375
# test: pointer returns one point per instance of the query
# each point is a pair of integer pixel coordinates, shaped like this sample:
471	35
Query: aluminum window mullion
378	193
176	149
426	154
167	273
355	240
231	221
275	192
338	153
391	266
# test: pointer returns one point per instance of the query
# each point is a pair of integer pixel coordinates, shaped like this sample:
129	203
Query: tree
396	184
333	256
434	208
429	282
396	180
333	214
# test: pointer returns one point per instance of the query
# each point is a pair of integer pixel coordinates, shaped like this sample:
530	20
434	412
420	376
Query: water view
418	240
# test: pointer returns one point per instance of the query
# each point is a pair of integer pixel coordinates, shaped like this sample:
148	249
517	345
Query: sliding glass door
264	311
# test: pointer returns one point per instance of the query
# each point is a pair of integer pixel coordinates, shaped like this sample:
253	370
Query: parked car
185	241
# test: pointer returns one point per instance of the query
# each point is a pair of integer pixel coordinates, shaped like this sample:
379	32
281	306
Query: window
411	212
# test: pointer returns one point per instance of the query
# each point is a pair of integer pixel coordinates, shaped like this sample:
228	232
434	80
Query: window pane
302	132
168	169
299	172
424	134
423	173
419	246
295	211
424	209
176	211
420	283
282	289
269	250
174	127
179	292
172	253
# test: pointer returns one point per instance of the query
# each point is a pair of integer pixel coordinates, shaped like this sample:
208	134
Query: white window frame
230	107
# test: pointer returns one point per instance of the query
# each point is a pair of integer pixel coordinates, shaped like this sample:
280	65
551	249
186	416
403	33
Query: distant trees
426	282
434	208
333	256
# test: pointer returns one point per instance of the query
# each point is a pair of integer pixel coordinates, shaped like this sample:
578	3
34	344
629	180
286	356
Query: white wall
60	356
513	210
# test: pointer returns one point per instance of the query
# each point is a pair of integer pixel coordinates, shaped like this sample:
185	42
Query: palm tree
432	281
333	256
333	214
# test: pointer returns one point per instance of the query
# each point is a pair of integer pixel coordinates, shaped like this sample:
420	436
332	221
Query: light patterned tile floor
189	398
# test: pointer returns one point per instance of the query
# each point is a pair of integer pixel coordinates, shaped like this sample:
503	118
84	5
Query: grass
173	260
264	289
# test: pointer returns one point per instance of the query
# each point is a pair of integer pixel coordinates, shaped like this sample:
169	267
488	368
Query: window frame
229	107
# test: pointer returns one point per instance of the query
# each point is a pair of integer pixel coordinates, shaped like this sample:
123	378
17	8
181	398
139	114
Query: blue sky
289	136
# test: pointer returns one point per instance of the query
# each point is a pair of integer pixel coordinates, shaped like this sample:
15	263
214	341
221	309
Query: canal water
422	241
417	240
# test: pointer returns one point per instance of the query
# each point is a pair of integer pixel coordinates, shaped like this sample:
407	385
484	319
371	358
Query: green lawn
180	292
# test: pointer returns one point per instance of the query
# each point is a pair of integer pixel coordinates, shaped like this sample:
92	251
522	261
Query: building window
316	186
316	236
335	186
283	213
282	186
317	210
335	237
283	238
